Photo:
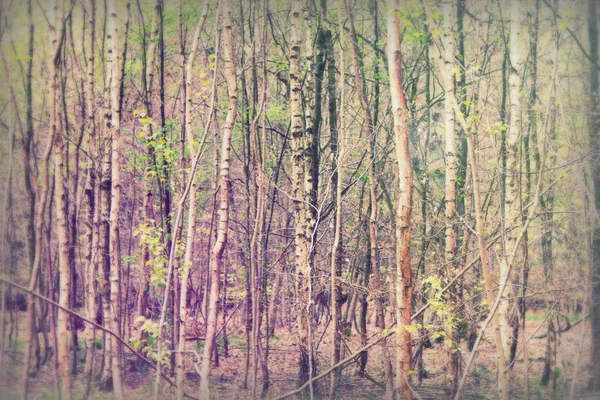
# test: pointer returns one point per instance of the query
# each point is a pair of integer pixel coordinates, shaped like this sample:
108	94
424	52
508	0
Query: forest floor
227	379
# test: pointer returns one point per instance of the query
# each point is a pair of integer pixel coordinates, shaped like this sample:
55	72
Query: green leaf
563	25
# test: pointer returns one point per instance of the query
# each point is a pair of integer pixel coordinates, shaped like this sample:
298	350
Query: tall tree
403	214
450	191
511	201
92	191
223	212
191	225
337	146
116	186
257	249
301	192
57	13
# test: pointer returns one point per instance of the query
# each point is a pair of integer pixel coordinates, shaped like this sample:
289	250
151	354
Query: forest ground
227	379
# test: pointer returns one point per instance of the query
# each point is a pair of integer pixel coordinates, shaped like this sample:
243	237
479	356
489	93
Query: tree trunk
454	300
62	351
191	226
223	216
115	262
403	215
30	184
92	197
105	383
511	201
257	251
31	189
337	146
301	194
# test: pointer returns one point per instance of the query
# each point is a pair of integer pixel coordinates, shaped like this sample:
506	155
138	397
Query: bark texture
403	213
223	192
113	242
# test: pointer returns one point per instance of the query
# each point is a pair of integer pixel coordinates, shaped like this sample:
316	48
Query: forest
299	199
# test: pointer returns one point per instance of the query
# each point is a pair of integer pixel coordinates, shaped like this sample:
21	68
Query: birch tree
223	212
301	190
115	257
451	155
511	200
191	225
92	192
62	352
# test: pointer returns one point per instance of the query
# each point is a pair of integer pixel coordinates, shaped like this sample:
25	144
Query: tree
338	148
511	200
450	190
116	186
92	191
403	215
57	15
223	213
191	226
301	193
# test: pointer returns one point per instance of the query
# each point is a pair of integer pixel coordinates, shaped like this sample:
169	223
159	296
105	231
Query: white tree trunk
223	212
113	243
511	203
447	39
191	226
62	351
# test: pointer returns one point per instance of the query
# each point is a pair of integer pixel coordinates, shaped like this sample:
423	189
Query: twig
568	327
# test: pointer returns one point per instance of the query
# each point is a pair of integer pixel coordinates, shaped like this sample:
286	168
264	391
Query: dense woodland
299	199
